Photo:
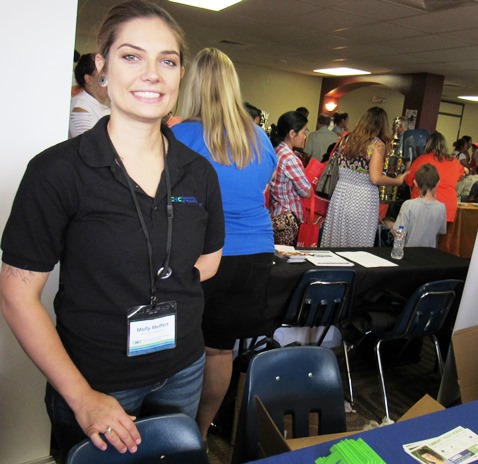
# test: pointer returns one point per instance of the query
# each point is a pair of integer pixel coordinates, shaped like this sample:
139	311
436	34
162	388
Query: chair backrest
171	439
414	142
426	310
321	298
300	381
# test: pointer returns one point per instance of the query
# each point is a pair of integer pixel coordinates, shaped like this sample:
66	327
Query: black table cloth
419	265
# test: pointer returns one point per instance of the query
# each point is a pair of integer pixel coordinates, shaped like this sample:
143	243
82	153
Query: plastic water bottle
398	243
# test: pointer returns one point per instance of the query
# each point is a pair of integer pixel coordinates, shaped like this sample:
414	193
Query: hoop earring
103	81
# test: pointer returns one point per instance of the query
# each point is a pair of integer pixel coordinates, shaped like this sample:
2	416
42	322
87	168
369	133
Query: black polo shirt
74	206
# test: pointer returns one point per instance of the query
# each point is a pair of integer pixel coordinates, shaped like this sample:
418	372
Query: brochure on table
458	446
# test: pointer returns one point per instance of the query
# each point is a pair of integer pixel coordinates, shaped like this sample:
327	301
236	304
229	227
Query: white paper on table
326	258
366	259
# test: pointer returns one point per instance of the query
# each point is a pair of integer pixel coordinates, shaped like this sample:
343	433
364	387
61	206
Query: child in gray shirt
424	217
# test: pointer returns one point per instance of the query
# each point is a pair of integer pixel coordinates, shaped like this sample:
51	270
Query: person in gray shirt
318	141
424	217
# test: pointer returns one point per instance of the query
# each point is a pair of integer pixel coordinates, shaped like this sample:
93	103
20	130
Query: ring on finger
108	430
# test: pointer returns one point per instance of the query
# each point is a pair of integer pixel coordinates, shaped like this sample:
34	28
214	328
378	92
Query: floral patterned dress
352	216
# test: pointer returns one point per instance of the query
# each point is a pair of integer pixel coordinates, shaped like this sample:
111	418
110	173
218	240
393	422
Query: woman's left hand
401	177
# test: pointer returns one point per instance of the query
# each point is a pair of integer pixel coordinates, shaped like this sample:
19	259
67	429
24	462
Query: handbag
319	207
313	171
328	180
309	230
285	227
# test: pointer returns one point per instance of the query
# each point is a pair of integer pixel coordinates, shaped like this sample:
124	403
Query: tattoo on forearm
15	273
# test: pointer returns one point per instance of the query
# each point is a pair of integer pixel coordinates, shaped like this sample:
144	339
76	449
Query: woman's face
143	70
298	140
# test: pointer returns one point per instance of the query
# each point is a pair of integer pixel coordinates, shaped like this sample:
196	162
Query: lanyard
165	271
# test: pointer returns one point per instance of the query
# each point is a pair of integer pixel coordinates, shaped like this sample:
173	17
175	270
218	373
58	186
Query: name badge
151	328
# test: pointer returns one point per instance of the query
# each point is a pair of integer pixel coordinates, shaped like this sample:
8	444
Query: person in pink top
449	169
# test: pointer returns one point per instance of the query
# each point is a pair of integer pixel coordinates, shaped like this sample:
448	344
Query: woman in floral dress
352	216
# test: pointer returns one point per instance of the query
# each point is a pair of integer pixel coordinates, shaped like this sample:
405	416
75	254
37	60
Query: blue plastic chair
166	439
414	142
322	298
424	314
298	381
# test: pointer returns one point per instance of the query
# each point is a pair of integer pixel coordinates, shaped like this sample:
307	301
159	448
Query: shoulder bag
328	180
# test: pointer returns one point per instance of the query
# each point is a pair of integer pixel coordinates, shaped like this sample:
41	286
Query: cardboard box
465	342
272	441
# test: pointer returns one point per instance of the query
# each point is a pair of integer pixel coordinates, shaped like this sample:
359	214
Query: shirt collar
96	149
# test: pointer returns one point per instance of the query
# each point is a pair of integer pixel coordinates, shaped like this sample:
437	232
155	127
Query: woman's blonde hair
437	145
213	95
373	123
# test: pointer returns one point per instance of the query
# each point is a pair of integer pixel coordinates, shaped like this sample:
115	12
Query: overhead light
471	98
341	71
214	5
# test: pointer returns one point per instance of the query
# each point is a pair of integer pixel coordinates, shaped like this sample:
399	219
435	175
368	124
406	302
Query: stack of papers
326	258
350	451
316	257
458	446
290	254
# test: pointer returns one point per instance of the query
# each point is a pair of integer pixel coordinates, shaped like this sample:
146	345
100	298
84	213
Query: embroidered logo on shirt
181	199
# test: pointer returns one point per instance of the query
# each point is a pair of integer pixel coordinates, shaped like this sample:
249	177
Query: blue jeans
179	393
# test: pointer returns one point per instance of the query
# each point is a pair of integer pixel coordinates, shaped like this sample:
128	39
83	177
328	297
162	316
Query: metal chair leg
438	352
382	381
347	366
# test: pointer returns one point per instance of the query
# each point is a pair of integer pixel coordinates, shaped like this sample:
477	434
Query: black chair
171	439
293	380
424	313
322	298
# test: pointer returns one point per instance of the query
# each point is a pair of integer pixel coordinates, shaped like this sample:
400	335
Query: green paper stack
350	451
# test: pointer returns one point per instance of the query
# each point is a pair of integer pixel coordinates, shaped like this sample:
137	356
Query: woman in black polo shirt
135	219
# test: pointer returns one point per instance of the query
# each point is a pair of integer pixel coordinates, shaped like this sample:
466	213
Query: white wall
469	125
278	91
358	101
37	40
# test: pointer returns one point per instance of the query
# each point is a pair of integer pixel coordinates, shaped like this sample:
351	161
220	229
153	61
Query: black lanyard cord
165	271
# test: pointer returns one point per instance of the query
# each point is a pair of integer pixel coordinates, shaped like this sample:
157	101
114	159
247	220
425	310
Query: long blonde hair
373	123
213	95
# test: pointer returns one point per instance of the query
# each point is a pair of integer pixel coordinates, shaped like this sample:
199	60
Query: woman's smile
148	96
